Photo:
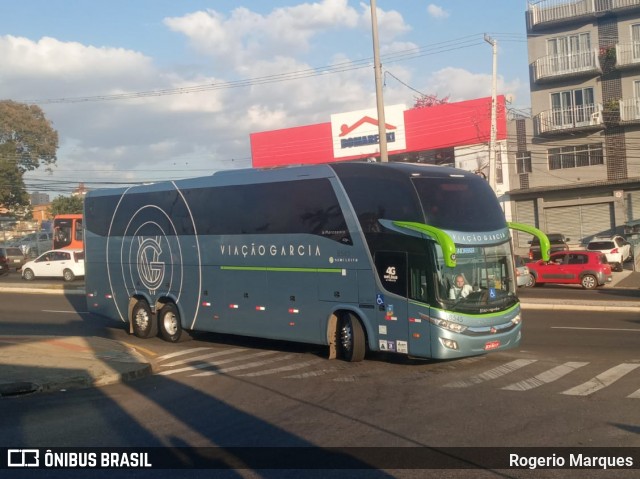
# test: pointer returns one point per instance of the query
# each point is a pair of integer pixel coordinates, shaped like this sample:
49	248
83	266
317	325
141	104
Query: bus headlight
516	320
448	325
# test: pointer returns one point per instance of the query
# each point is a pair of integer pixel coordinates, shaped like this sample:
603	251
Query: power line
467	41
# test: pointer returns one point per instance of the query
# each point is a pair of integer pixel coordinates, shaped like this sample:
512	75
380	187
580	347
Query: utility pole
382	129
494	109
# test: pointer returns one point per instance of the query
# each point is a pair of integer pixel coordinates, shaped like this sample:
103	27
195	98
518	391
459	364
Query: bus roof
286	173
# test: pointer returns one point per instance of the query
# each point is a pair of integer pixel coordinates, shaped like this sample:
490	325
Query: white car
56	263
616	248
523	275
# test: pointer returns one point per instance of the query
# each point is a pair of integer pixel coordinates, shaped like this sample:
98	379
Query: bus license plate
491	345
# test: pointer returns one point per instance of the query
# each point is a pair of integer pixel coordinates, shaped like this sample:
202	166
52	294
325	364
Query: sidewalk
53	363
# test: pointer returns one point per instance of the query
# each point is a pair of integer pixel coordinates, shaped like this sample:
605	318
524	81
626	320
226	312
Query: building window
523	162
570	52
572	107
635	39
575	156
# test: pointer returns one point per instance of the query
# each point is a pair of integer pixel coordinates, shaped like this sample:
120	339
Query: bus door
391	302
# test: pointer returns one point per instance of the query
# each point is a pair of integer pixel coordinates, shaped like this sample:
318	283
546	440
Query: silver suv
35	243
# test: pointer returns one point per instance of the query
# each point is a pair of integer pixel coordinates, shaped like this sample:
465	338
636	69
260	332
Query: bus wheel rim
170	323
346	336
142	319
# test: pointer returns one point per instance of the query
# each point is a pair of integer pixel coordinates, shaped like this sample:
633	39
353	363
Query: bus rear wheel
169	323
144	324
352	339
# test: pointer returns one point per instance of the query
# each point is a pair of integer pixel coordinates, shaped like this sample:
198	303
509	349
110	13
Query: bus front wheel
352	339
169	323
144	324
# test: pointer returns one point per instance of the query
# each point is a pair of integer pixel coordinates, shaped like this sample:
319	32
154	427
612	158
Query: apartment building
577	160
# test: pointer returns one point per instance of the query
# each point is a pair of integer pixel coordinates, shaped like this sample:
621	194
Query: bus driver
460	289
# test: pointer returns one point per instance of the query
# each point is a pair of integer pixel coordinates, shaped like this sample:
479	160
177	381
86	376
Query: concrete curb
20	388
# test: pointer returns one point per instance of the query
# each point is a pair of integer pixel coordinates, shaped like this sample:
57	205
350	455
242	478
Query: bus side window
418	278
78	230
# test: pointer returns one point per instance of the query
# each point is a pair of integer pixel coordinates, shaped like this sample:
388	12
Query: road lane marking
635	395
244	366
546	377
182	353
313	374
209	364
289	367
601	380
492	373
596	329
223	352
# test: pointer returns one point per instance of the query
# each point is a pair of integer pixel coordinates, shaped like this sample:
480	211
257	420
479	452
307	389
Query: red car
587	268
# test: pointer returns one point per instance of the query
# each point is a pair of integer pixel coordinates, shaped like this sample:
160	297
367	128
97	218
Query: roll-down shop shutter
565	220
525	213
597	220
580	223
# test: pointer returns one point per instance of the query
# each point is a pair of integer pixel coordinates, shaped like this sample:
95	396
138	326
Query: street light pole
382	129
494	108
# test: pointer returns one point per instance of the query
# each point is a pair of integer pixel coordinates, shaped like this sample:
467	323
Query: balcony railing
556	66
630	110
553	11
628	55
560	120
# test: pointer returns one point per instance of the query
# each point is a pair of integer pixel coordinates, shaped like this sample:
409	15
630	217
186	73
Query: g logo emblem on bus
150	268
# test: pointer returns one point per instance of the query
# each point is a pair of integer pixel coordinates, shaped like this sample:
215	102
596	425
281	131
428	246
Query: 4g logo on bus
390	275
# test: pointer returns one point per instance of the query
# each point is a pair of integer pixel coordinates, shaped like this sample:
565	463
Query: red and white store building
452	134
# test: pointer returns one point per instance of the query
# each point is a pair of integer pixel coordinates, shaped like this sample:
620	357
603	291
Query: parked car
523	275
12	257
57	263
616	248
558	242
587	268
35	243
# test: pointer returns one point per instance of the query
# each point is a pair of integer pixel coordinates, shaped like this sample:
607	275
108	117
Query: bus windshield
481	282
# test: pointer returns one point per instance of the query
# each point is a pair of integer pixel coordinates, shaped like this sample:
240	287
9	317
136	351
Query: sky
151	90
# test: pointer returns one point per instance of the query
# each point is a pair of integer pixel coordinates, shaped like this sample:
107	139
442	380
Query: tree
27	141
64	205
426	101
13	195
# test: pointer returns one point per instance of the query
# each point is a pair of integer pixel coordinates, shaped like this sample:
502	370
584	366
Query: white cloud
437	12
246	36
459	84
168	136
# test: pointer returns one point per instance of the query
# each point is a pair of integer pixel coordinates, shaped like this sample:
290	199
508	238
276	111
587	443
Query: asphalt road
574	381
384	400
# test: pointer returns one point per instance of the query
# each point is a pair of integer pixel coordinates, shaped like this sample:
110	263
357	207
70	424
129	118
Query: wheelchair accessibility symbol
492	293
379	299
